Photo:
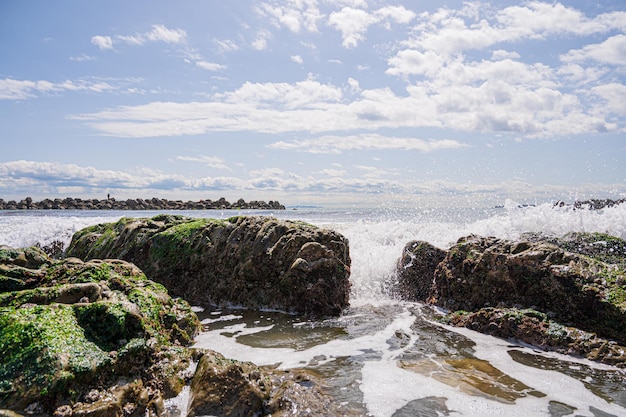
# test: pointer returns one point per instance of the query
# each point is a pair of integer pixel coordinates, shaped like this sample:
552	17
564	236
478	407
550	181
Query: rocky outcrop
249	261
136	204
98	338
580	290
225	387
535	328
94	337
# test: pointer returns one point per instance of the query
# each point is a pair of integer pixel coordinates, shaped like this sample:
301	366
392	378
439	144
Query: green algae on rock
250	261
577	281
72	327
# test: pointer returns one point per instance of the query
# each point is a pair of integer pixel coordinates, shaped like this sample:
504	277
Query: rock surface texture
94	336
576	284
99	339
249	261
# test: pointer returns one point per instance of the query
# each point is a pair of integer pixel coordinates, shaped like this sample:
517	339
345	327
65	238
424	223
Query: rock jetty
98	338
565	294
137	204
593	204
249	261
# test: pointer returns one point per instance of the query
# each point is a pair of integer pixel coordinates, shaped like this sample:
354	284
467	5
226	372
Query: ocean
385	357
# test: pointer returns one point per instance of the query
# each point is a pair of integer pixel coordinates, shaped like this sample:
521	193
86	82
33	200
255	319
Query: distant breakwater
136	204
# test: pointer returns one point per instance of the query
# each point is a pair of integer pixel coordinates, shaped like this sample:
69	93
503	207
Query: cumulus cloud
353	23
448	85
612	51
292	14
102	42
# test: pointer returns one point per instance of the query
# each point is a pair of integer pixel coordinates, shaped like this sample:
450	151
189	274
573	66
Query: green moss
108	324
44	348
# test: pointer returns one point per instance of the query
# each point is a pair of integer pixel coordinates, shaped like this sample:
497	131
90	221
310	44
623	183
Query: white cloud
297	59
102	42
614	95
477	26
163	34
292	14
226	45
397	13
352	23
260	42
210	161
611	51
11	89
210	66
159	33
484	97
366	142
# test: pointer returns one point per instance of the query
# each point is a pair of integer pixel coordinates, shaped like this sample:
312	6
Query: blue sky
314	101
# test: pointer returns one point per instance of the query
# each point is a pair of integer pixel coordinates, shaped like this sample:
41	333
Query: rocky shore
91	337
137	204
249	261
563	294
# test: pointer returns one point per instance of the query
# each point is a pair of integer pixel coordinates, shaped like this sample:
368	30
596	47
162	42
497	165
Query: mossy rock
73	327
579	289
251	261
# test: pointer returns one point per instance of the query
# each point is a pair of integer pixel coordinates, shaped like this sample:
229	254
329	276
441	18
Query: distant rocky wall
136	204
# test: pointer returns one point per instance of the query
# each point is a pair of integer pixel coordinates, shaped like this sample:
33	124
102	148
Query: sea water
384	357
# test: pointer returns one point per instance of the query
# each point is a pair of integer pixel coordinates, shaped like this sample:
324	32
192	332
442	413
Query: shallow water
397	360
384	357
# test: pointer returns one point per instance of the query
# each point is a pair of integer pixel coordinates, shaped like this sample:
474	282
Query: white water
361	352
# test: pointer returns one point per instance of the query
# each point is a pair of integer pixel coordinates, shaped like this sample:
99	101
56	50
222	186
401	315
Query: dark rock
417	264
250	261
68	328
537	329
226	387
572	289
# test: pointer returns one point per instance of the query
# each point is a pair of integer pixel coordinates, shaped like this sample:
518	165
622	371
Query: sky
313	102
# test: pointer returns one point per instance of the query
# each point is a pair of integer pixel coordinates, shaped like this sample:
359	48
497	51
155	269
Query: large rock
571	288
535	328
94	338
250	261
225	387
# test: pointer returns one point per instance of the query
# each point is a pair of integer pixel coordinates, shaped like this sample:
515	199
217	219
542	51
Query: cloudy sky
313	101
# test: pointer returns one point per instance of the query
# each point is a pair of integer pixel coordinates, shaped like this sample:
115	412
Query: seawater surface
384	357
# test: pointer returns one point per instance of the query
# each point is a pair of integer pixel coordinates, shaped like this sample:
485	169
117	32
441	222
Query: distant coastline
137	204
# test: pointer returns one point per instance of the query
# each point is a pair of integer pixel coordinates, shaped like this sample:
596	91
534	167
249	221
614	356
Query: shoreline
154	203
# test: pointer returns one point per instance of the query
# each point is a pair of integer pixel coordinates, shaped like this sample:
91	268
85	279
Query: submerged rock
249	261
92	337
580	290
535	328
